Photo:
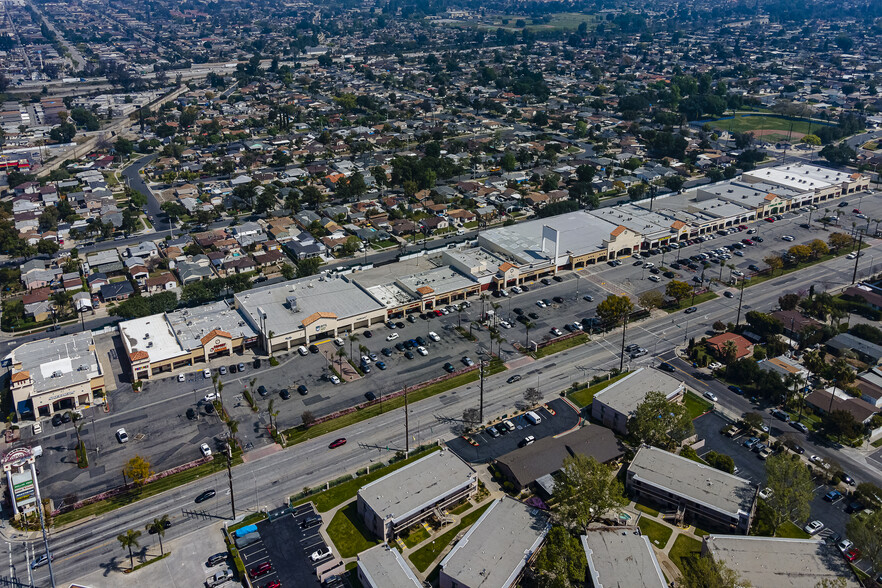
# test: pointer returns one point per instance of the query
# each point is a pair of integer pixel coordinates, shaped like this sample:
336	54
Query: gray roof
399	494
384	567
844	341
779	562
624	395
337	295
621	557
697	482
496	548
546	455
59	362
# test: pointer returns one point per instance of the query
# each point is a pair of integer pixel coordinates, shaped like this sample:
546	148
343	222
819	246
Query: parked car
526	441
205	450
833	496
710	396
448	367
285	393
302	390
262	390
320	554
217	558
122	436
813	527
261	570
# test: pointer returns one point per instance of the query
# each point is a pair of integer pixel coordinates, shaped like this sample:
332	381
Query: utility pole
857	258
229	455
622	355
740	299
481	408
406	427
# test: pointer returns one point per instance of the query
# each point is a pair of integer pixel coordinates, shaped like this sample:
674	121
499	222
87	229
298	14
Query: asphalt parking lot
488	448
287	547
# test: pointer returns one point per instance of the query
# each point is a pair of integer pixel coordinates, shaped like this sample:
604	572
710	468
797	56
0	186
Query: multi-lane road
267	481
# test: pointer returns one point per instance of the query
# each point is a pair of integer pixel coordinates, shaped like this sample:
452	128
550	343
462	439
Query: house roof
138	355
861	410
21	376
215	333
742	345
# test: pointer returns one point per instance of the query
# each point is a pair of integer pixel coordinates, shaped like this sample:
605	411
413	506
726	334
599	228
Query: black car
65	418
513	379
256	363
262	390
758	239
693	266
639	262
165	525
448	367
411	318
557	279
522	319
728	294
558	299
676	265
311	522
205	496
669	275
654	270
518	311
805	226
313	348
533	315
191	414
525	288
690	310
421	341
370	395
56	419
854	507
546	281
368	334
666	367
386	351
285	394
217	558
753	267
233	369
301	389
408	354
399	346
409	344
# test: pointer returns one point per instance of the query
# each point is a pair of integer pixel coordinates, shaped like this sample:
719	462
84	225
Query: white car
503	293
38	428
210	397
738	273
422	350
540	304
787	238
302	350
851	256
844	545
181	377
334	379
206	373
392	336
205	449
813	527
649	265
710	396
365	360
765	493
122	436
338	342
320	554
505	324
820	461
516	289
434	336
715	365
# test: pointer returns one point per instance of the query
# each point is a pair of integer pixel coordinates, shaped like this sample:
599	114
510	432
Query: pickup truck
219	578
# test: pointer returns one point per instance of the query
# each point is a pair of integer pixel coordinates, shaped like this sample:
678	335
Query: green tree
508	162
128	540
588	491
705	572
840	423
865	530
792	490
678	290
614	309
158	527
774	262
720	461
137	470
651	299
660	422
839	241
561	563
800	253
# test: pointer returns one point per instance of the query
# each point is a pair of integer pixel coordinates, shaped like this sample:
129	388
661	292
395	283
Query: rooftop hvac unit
56	374
292	303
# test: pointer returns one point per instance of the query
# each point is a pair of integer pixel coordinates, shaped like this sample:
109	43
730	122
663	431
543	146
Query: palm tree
158	527
527	326
270	342
233	427
363	349
352	339
341	353
128	540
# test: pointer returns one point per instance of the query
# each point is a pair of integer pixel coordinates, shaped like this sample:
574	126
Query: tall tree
137	470
613	310
792	489
128	540
158	526
705	572
589	489
865	530
678	290
561	563
660	422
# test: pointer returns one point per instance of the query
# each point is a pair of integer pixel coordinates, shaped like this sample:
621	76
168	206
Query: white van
534	418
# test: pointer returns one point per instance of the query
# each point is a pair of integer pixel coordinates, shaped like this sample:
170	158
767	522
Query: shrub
273	361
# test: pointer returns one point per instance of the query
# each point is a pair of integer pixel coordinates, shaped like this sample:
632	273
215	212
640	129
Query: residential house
160	283
117	291
718	345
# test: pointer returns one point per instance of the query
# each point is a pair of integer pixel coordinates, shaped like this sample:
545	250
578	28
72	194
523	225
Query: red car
274	584
261	570
337	443
853	554
769	219
438	312
856	210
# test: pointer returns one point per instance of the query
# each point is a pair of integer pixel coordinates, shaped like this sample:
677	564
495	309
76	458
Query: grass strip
423	557
348	532
152	489
646	510
148	562
696	405
332	497
684	549
416	536
584	397
559	346
687	302
301	434
658	533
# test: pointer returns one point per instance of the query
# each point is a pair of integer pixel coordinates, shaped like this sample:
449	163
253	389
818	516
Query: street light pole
229	455
481	399
740	299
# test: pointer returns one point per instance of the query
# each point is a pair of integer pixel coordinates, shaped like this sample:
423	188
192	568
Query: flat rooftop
719	208
440	280
59	362
579	232
698	482
778	562
334	294
496	548
799	176
624	395
639	220
164	336
621	557
385	568
407	490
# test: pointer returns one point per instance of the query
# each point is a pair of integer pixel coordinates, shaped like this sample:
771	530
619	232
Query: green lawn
299	434
647	510
700	532
559	346
741	124
684	548
327	500
583	397
417	535
687	302
348	533
461	508
657	532
790	531
761	526
764	277
695	404
425	555
877	443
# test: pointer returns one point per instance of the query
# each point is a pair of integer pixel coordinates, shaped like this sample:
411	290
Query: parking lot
287	548
489	448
